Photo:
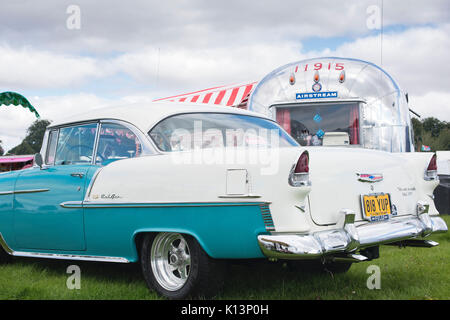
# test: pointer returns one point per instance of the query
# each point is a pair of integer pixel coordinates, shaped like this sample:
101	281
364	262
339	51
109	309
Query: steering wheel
83	146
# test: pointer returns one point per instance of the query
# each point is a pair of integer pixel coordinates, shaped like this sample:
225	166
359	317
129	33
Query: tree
33	141
433	125
418	131
1	149
431	132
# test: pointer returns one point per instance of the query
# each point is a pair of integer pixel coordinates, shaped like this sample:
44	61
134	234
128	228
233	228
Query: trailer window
321	123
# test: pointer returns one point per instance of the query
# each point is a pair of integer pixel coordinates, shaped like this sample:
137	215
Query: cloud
416	58
29	68
431	104
127	26
187	69
14	122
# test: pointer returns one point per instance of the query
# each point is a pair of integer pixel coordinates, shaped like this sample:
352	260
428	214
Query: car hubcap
170	260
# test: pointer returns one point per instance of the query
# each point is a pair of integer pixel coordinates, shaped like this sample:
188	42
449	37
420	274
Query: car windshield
321	123
189	131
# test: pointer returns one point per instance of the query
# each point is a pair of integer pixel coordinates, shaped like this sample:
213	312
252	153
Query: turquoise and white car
183	188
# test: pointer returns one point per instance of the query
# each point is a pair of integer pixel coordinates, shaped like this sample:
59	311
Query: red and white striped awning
16	159
231	96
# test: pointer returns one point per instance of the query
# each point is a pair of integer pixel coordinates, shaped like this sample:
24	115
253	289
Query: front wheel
176	266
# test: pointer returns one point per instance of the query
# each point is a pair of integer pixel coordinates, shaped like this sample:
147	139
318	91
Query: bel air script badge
110	196
369	177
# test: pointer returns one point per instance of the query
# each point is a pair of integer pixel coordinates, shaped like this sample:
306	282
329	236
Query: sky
73	56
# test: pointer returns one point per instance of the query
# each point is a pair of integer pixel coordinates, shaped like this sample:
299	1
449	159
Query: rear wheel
176	266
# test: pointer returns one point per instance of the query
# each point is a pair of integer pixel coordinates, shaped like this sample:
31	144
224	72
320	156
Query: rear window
321	124
217	130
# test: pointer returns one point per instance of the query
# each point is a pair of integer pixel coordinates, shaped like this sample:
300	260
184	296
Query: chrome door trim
240	196
102	204
99	204
87	193
31	191
69	257
72	204
4	245
94	150
3	193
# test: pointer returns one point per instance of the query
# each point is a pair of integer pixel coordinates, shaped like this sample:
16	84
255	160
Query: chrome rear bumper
349	238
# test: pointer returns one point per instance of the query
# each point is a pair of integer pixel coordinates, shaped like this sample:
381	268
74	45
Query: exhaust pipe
351	257
415	243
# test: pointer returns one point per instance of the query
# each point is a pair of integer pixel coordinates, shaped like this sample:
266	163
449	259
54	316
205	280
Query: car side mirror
38	160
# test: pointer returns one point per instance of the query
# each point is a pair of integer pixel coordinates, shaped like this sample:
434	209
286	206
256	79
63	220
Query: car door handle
77	174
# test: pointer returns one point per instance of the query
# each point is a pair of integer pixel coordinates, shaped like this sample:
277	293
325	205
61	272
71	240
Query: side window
51	147
75	144
116	142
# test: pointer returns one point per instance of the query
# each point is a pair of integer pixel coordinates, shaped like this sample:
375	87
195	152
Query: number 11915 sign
321	66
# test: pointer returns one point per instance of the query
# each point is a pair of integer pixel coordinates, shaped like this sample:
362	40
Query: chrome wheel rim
170	260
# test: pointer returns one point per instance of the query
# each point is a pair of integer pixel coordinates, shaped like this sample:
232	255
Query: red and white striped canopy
231	96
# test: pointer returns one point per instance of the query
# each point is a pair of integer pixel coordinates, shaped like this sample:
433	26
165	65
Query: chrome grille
267	217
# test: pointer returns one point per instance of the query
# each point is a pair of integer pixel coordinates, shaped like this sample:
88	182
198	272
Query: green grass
407	273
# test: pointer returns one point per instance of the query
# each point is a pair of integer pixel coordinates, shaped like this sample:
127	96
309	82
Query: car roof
145	115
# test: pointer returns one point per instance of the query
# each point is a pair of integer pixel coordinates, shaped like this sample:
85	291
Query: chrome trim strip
94	150
267	217
99	204
3	193
5	245
240	196
59	256
72	204
91	184
69	257
44	147
44	156
31	191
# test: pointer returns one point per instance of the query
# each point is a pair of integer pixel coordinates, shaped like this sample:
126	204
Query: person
305	138
316	141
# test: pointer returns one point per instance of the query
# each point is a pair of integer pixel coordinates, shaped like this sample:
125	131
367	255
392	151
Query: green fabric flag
8	98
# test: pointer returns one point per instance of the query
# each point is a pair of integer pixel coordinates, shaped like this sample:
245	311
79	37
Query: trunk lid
341	176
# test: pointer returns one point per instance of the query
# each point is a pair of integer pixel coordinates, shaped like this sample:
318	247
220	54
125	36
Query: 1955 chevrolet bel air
181	188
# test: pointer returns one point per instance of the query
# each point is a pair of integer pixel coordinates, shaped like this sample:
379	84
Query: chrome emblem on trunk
369	177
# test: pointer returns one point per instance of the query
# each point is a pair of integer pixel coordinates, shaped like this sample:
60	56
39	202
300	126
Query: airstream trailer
340	101
336	101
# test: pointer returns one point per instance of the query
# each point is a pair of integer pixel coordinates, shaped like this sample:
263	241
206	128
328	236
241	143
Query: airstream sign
316	95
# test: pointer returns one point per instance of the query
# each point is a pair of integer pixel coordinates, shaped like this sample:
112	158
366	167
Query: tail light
431	172
299	175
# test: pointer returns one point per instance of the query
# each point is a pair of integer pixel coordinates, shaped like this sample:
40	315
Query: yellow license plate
376	207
